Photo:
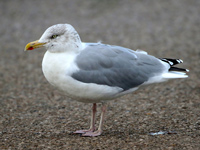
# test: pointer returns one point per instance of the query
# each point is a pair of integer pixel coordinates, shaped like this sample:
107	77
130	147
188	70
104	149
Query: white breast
58	67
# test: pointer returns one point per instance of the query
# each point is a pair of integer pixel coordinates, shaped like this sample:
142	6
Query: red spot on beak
30	48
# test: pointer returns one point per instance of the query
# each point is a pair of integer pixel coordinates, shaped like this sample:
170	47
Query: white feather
141	51
174	74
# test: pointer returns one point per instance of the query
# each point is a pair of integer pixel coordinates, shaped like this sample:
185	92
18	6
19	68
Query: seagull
96	72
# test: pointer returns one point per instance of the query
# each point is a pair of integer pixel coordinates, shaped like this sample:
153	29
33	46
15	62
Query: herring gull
96	72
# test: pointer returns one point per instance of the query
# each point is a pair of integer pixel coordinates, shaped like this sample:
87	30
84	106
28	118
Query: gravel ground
34	115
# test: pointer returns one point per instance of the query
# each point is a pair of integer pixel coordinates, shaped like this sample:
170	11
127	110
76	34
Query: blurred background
34	115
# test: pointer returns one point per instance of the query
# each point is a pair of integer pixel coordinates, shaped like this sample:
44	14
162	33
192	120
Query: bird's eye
54	36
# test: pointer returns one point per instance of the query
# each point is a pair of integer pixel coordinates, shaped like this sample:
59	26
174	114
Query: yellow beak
33	45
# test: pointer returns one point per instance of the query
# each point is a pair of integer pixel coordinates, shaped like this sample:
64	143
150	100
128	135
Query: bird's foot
83	131
96	133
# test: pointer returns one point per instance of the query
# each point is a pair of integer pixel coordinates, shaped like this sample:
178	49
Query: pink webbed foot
83	131
91	132
96	133
92	124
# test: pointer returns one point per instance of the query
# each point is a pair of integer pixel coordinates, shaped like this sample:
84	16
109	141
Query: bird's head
57	38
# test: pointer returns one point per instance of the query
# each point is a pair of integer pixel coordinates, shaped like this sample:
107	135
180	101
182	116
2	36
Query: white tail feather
174	74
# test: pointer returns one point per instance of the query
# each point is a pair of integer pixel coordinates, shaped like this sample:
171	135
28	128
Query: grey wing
115	66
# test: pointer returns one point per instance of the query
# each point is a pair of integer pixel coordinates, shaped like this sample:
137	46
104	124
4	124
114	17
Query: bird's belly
84	92
56	72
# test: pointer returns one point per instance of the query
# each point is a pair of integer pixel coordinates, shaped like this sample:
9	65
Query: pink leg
92	124
99	131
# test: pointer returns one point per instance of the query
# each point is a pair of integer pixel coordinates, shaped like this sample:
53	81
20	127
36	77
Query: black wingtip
178	69
172	62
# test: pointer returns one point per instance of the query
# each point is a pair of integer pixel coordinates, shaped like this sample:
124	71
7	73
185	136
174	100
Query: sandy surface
34	115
